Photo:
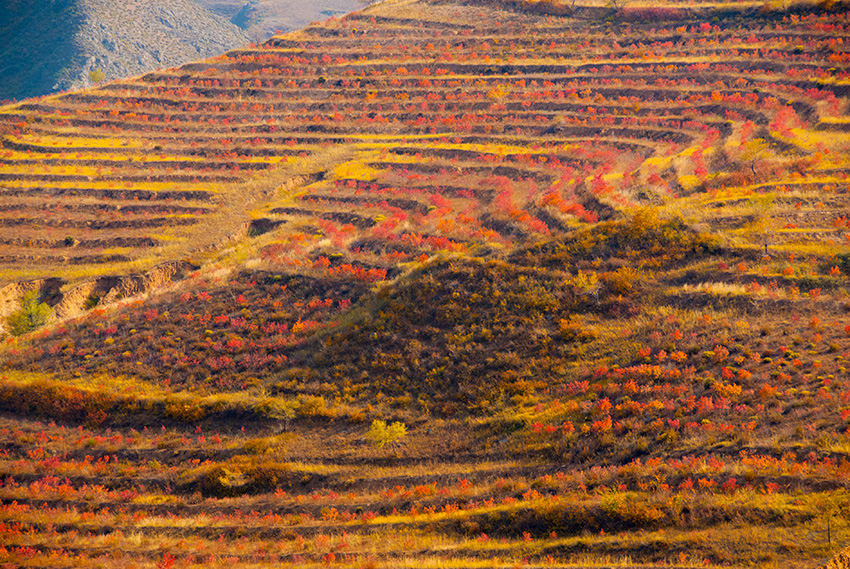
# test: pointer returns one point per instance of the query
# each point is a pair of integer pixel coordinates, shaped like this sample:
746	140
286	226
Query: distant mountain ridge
55	45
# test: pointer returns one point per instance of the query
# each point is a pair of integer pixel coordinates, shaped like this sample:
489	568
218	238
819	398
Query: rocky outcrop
251	14
840	561
135	285
98	292
54	45
11	295
84	296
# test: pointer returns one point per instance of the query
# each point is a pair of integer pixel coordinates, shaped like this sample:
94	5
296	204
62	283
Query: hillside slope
54	45
596	260
260	19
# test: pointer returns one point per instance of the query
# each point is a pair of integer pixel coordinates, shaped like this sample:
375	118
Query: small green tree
32	314
754	151
97	76
765	226
380	434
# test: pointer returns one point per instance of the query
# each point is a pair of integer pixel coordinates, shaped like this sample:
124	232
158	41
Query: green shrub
32	314
380	434
314	406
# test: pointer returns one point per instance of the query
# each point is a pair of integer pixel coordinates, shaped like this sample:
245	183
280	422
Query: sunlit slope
595	260
407	129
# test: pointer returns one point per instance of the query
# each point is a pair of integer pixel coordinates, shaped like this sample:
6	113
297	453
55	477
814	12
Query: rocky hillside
260	19
55	45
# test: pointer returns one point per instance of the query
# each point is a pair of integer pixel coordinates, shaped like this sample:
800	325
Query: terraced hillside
421	133
593	257
407	135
